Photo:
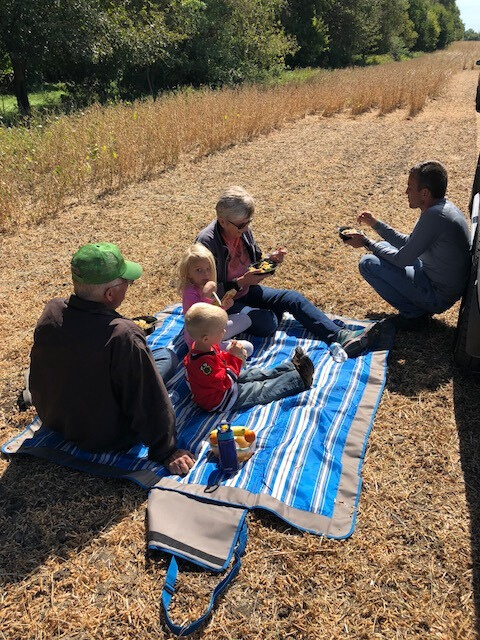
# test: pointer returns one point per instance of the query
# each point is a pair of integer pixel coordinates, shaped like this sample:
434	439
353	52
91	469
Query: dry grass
72	553
107	148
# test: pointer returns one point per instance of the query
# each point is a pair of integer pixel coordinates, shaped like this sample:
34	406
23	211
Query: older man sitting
93	378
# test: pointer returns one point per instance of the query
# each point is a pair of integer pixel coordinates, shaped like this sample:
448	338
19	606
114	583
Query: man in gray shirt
425	272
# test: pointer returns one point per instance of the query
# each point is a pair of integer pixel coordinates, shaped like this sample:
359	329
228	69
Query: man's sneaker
404	323
357	342
304	366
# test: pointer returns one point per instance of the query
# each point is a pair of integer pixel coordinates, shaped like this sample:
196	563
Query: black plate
272	266
342	229
149	321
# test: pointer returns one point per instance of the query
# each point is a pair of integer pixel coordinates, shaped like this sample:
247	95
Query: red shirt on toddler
212	377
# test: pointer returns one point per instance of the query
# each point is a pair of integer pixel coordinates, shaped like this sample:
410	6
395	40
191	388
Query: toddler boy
215	377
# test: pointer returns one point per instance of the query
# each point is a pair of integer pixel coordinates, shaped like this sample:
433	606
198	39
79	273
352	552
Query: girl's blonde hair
194	252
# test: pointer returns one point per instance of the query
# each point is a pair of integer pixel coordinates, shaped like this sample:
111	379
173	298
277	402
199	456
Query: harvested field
73	553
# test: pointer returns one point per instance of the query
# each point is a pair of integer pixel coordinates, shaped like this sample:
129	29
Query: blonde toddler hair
202	319
235	202
194	252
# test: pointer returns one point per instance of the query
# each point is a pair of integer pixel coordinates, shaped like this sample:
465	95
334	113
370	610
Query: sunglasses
119	284
241	226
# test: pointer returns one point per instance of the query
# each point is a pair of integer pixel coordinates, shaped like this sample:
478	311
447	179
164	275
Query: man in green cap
93	378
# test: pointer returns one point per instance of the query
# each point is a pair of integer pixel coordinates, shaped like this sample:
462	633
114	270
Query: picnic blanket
309	450
306	467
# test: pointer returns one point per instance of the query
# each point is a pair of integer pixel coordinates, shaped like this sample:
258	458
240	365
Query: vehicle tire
467	336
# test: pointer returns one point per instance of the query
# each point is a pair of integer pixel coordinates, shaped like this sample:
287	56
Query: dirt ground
73	552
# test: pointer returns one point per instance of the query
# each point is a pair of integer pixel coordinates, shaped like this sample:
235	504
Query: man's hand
366	218
355	240
180	462
278	255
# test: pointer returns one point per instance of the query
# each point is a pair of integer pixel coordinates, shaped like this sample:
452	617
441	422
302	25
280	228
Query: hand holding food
227	300
209	288
237	350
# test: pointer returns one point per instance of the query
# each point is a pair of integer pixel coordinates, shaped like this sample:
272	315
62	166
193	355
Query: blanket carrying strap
201	531
169	588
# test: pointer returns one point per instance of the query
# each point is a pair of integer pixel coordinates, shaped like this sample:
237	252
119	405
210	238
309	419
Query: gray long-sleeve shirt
440	239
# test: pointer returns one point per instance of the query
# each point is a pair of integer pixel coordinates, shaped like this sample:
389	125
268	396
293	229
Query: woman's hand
367	218
250	278
278	255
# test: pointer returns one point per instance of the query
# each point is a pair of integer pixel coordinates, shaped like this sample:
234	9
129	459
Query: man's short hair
431	175
235	202
94	292
204	319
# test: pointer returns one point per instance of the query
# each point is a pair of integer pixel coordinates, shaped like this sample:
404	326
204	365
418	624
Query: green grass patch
47	100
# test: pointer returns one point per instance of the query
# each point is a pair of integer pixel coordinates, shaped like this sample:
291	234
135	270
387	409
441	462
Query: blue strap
169	587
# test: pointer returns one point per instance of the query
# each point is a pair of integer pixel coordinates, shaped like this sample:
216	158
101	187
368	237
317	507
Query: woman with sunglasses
231	241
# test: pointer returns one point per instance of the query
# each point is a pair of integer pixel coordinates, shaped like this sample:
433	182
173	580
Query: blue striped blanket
310	447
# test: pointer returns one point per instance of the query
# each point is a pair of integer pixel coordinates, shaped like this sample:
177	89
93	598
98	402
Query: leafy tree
305	21
471	34
36	34
354	30
235	40
397	32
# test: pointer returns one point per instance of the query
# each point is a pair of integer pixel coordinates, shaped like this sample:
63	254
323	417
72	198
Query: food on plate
265	266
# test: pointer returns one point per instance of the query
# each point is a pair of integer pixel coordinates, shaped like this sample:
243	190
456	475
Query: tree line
122	49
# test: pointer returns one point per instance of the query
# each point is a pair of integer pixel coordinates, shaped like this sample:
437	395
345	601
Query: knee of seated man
368	263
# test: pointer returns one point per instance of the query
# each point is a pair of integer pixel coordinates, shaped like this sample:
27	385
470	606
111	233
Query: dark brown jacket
94	381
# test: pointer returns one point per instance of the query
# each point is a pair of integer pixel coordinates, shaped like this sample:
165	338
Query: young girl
197	278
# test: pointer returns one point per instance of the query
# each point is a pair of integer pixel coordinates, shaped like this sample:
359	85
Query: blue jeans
166	362
407	289
265	307
261	386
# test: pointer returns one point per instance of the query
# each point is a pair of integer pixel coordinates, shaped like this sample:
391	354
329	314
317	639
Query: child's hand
278	255
209	288
227	303
236	349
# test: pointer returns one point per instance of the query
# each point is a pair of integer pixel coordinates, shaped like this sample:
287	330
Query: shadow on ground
420	360
424	361
466	395
47	511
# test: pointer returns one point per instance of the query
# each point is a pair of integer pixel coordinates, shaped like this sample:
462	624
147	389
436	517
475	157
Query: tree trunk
20	87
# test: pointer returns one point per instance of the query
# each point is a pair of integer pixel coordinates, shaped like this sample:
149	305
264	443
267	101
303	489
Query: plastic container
337	352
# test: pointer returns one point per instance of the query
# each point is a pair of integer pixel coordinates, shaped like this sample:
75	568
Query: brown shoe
304	366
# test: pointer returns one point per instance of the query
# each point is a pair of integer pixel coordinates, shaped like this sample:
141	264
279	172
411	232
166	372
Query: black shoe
24	400
304	366
356	342
299	353
403	323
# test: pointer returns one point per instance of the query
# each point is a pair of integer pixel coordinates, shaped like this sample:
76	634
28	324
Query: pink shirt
191	295
239	262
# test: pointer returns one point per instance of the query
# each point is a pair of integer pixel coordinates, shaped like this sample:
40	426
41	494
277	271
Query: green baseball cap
102	262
